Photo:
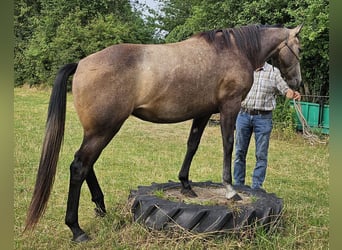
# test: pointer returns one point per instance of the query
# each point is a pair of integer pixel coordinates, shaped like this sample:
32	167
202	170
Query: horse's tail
51	146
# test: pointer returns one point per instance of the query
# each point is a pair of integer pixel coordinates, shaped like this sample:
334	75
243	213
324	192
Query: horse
210	72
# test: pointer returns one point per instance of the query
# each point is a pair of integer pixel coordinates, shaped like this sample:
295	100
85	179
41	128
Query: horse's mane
247	38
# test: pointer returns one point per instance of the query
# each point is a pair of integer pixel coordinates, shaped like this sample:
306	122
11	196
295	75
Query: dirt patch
207	196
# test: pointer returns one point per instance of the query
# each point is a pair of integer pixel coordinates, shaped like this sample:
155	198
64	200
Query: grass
142	153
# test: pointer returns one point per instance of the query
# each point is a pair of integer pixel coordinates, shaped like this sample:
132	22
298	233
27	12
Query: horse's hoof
99	212
81	238
188	193
236	197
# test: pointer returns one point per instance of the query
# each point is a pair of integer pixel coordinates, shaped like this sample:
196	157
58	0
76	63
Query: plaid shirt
267	83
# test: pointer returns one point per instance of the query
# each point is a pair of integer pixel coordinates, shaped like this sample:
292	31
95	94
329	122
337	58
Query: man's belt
256	111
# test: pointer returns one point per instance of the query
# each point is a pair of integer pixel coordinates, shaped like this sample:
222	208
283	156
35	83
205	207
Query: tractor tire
159	213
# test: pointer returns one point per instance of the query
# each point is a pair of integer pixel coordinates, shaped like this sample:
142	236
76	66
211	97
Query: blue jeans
246	124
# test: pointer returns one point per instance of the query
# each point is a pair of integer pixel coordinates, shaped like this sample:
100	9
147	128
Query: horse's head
287	58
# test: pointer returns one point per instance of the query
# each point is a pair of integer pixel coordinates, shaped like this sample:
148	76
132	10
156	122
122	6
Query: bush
284	118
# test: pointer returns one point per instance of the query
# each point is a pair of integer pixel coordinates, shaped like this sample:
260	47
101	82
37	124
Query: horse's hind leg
96	193
196	132
82	169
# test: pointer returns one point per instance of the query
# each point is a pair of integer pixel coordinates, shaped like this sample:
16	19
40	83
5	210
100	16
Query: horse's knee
231	139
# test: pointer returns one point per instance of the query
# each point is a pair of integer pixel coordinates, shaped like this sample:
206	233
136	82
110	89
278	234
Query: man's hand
293	95
296	96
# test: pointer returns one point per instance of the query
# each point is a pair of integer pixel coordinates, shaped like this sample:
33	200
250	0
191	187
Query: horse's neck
270	40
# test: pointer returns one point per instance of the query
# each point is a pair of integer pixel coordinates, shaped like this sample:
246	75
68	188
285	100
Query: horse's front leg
228	114
196	132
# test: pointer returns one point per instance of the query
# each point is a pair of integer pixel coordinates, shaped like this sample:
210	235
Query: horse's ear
295	31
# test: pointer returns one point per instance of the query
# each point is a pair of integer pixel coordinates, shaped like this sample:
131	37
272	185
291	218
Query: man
256	116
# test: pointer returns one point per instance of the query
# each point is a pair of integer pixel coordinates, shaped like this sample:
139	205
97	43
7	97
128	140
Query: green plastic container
325	120
314	116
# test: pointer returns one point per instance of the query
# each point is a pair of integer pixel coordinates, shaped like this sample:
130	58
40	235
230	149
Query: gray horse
211	72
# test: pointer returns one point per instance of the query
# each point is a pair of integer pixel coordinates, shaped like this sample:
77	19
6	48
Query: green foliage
24	24
315	44
60	32
159	193
284	118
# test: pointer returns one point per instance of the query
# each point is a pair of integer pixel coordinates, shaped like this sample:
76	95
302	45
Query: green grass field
142	153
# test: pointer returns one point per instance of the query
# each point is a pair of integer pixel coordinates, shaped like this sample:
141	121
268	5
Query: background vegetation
144	152
50	33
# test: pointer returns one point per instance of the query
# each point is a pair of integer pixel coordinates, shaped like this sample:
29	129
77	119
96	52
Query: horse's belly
172	113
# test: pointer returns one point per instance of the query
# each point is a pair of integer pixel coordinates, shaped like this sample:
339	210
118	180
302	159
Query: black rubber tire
161	214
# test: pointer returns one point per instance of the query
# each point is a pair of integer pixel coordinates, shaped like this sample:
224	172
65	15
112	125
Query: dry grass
142	153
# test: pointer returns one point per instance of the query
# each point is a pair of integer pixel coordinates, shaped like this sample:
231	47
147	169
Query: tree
315	43
24	26
65	31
